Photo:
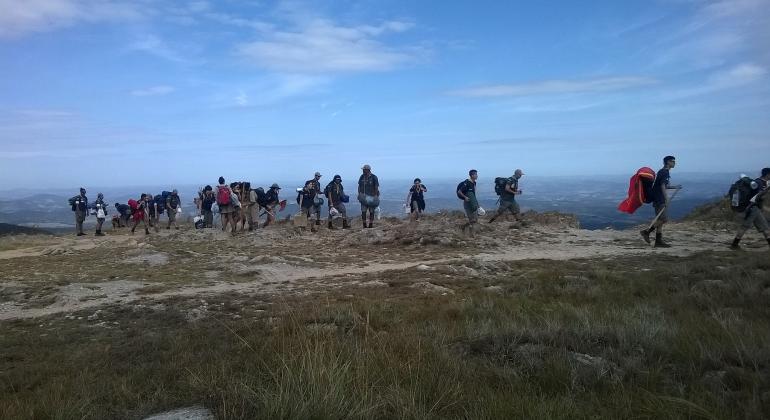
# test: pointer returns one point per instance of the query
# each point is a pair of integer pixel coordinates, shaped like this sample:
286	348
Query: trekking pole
663	209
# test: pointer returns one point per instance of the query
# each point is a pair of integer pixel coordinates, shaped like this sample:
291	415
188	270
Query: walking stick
663	209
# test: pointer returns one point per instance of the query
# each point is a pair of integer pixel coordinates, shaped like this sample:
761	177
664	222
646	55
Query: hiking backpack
459	187
261	196
160	200
223	195
741	193
500	184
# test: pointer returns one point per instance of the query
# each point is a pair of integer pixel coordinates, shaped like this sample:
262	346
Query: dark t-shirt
271	197
468	187
417	193
208	201
368	185
334	191
172	201
662	181
514	184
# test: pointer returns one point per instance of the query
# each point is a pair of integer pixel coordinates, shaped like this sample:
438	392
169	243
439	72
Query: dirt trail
547	243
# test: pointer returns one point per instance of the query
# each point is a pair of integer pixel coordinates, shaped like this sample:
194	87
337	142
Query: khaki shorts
753	217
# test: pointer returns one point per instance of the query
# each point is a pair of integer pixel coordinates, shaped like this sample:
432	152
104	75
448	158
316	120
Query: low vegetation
661	337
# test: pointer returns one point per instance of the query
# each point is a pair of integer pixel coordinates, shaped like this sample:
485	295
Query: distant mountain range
593	199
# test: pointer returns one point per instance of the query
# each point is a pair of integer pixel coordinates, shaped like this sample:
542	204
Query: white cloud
555	87
320	46
19	18
154	45
242	99
153	91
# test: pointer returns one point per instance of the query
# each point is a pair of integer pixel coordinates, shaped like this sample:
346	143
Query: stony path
556	244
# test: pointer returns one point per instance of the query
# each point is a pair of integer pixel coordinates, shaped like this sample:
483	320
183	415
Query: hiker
224	199
172	205
335	193
416	200
368	195
466	191
125	213
508	196
308	201
235	198
101	213
139	213
155	206
79	205
660	201
271	204
250	206
206	203
753	214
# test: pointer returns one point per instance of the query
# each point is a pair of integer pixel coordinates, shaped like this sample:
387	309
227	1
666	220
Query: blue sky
98	92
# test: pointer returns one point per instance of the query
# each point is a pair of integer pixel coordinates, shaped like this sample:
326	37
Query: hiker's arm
509	188
462	194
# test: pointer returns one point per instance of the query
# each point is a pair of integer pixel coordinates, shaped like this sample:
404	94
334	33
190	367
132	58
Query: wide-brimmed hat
318	174
275	187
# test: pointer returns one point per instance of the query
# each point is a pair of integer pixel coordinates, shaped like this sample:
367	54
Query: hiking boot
168	227
331	225
99	234
646	236
81	234
318	222
661	244
736	247
147	231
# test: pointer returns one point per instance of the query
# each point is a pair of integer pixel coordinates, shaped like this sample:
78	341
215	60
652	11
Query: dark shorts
470	212
663	216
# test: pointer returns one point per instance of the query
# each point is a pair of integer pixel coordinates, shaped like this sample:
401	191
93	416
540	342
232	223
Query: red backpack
223	196
133	204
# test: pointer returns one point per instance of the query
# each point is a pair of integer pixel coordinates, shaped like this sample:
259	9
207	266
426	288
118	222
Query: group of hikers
240	205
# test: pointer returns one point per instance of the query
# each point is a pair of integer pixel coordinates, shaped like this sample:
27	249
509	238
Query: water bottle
736	200
377	213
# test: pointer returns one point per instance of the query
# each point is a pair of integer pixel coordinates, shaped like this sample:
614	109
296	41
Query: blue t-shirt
662	181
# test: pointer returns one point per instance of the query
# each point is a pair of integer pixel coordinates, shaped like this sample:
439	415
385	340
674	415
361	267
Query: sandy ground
47	276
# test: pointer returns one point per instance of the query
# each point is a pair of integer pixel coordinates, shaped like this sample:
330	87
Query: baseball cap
367	167
275	186
317	174
518	172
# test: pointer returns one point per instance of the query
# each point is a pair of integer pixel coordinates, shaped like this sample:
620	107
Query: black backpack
741	193
261	196
459	187
500	184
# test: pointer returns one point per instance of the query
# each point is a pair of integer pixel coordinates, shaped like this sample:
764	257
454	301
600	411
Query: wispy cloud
156	46
737	76
549	87
153	91
321	46
20	18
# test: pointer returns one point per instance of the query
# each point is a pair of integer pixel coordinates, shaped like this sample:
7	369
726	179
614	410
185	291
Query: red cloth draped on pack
638	190
136	213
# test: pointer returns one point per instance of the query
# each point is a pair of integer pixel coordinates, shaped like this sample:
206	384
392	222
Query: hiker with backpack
747	199
101	213
250	206
508	189
155	205
139	212
172	207
79	205
368	195
235	199
661	202
335	193
415	199
206	202
125	214
466	191
271	203
224	199
310	202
